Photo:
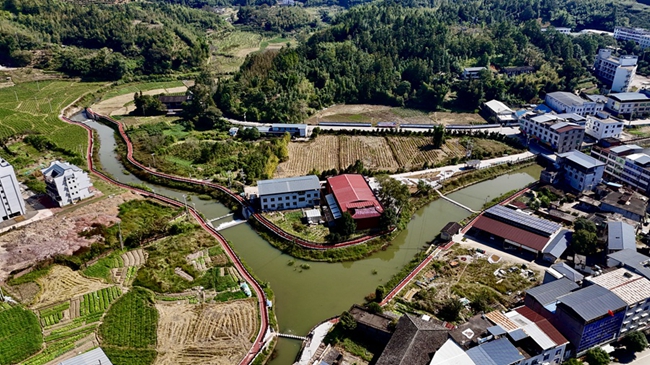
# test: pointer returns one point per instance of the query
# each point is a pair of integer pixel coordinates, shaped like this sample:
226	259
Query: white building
566	102
638	35
66	183
618	71
602	126
472	72
499	112
13	204
289	193
629	105
580	171
295	130
634	290
563	30
553	131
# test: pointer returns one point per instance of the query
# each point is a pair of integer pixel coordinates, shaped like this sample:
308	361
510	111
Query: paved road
640	358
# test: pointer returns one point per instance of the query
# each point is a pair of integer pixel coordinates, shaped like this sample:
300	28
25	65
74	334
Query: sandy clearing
213	334
117	105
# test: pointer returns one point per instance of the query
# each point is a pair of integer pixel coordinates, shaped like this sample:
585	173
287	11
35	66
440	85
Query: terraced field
34	106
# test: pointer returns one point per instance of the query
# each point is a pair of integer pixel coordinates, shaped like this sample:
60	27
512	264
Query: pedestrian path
455	202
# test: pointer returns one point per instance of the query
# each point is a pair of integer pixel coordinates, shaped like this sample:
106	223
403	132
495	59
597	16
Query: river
303	298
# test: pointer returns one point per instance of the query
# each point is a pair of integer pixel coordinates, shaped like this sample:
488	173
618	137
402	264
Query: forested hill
103	41
394	55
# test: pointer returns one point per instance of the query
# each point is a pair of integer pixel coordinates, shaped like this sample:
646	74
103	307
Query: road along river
304	297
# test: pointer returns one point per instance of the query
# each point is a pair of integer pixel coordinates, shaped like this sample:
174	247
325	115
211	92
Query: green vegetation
102	268
54	314
99	301
30	276
20	335
343	335
137	87
597	356
275	19
167	254
635	341
585	239
129	327
292	222
25	108
105	42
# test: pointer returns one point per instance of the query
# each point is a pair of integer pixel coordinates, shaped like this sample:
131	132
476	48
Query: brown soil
59	234
213	334
61	284
118	105
364	113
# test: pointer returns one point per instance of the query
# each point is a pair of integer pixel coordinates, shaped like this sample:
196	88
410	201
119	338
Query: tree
249	134
148	104
374	307
346	225
347	321
392	193
573	361
585	242
597	356
582	224
423	187
380	292
388	219
438	136
635	341
450	311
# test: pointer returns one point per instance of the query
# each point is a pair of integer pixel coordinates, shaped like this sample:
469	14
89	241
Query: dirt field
374	152
364	113
118	105
216	334
61	284
24	247
321	154
379	153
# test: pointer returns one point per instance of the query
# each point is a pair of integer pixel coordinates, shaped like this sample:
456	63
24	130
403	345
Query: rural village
141	225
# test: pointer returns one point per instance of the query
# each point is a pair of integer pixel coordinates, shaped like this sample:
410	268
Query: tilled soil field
213	334
59	234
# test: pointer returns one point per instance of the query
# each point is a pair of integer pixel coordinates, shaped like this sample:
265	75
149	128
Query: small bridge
294	337
455	202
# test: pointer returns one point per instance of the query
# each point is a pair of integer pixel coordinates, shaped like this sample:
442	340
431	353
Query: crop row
51	319
98	301
62	345
131	322
58	336
55	310
130	273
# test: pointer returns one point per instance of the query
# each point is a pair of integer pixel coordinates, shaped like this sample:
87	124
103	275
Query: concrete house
13	204
581	172
617	71
566	102
638	35
603	126
66	183
289	193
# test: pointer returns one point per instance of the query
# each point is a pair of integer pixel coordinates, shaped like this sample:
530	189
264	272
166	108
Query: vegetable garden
20	335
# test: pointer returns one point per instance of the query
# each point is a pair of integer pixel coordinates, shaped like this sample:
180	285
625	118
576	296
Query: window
558	352
301	199
273	199
546	356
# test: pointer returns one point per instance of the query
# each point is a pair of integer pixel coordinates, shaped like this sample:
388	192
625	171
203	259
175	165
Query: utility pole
186	210
153	156
16	95
119	230
38	85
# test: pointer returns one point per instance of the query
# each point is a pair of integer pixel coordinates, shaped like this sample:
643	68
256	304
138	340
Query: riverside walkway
455	202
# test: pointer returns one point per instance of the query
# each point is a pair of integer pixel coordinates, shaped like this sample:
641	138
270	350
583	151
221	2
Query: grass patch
120	356
30	276
20	335
136	87
353	343
292	222
226	296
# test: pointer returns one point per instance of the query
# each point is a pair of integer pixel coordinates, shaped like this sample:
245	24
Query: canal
304	297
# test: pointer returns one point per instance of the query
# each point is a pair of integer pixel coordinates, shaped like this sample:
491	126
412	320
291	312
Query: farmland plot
320	154
415	151
61	283
216	334
374	152
20	335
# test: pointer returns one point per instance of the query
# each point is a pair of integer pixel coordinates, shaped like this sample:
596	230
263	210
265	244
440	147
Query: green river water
303	298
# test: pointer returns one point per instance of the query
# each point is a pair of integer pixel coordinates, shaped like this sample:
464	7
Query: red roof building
353	195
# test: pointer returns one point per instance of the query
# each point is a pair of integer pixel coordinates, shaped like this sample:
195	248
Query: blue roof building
620	236
497	352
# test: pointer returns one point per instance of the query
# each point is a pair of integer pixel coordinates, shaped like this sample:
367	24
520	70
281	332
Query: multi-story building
13	204
552	131
638	35
629	105
629	204
580	171
617	71
602	126
289	193
566	102
66	183
614	158
589	317
634	290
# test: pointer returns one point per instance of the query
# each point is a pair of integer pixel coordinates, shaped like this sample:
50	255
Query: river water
303	298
